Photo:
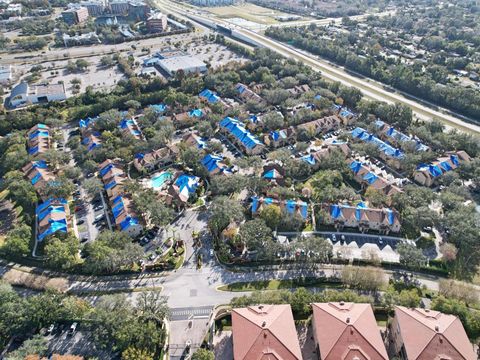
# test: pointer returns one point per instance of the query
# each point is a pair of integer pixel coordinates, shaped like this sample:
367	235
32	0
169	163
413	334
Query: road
371	89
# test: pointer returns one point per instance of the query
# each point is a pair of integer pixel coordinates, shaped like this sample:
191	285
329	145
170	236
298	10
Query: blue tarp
309	159
210	96
387	149
187	181
195	113
237	130
159	108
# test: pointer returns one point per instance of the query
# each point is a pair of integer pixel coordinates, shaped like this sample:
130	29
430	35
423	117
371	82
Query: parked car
98	207
50	329
80	222
98	218
73	329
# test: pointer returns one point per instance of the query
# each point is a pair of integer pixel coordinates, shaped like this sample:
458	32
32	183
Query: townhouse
264	332
280	138
39	140
52	216
391	134
241	136
215	165
245	94
346	331
427	174
192	139
360	216
124	215
130	127
315	158
155	159
322	125
368	177
39	175
387	151
424	334
292	207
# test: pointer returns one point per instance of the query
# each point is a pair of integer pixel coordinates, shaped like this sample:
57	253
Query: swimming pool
158	180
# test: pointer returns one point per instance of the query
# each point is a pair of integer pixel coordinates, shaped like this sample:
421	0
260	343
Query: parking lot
90	213
64	340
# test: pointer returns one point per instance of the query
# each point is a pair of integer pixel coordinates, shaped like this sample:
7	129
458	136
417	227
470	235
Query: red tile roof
265	332
347	331
431	335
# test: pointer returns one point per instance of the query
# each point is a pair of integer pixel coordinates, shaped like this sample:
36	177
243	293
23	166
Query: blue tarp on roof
38	133
195	113
237	130
253	119
271	174
290	206
85	123
36	178
387	149
128	222
187	181
159	108
211	163
33	150
454	159
254	204
355	166
111	185
48	202
370	177
39	164
445	165
106	169
211	96
335	211
309	159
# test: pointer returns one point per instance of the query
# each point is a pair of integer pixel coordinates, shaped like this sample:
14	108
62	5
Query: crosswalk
178	314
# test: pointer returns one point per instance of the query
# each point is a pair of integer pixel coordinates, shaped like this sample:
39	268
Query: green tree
203	354
37	345
272	215
111	252
223	211
17	241
132	353
62	254
411	256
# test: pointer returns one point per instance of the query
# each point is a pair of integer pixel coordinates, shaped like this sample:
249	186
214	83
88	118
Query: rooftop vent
264	324
348	320
437	329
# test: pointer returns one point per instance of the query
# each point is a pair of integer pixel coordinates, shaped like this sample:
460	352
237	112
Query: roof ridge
433	331
348	325
266	329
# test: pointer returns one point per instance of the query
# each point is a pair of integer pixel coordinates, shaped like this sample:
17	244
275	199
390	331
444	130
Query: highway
371	89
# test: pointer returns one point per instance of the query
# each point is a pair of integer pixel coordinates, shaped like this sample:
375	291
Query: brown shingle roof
265	332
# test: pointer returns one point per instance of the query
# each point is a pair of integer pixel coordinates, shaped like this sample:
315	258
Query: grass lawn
278	285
